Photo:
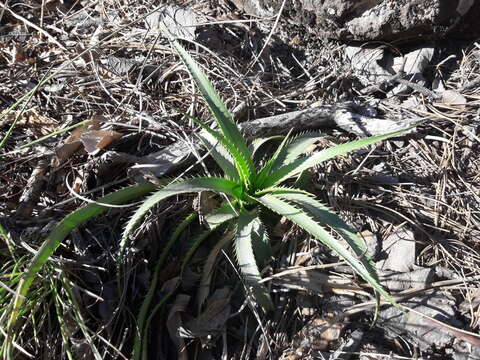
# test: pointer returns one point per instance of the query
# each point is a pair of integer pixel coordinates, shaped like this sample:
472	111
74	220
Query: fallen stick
181	153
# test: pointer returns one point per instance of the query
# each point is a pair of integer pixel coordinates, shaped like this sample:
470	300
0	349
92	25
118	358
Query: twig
179	154
36	27
277	19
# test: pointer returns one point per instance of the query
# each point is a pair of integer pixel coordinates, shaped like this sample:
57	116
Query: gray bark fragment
389	20
417	328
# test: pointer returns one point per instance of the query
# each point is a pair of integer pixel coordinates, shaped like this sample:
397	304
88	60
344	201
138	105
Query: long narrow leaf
221	215
296	147
218	217
186	186
261	242
305	221
246	259
258	143
220	154
221	151
61	231
301	164
241	168
145	307
276	158
219	110
325	216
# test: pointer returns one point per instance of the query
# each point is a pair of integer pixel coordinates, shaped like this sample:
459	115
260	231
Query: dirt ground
414	199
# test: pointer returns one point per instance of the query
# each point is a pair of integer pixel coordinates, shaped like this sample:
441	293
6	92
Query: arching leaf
218	185
297	166
305	220
246	259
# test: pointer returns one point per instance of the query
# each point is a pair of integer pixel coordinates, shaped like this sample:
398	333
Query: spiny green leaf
258	143
219	185
296	167
261	242
326	217
296	147
241	167
272	162
246	259
221	215
305	221
222	116
221	155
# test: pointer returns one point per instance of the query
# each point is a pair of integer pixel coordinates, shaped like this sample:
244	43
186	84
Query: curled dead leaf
318	335
95	140
174	323
90	137
212	321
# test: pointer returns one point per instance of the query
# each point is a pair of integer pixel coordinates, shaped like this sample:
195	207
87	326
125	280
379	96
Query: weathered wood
181	153
320	116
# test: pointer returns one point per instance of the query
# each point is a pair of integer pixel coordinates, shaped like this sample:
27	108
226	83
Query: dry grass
437	193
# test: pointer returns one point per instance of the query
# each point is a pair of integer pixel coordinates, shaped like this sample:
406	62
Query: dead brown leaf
212	321
36	124
95	140
174	323
88	136
317	335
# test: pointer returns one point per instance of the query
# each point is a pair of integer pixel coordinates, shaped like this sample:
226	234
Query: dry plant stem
277	19
470	85
407	294
342	115
421	89
32	25
301	268
26	98
32	191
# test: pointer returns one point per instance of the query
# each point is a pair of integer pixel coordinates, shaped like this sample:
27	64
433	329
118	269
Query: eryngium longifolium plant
250	186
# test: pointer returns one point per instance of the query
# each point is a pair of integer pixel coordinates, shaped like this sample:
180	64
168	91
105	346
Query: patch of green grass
18	306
